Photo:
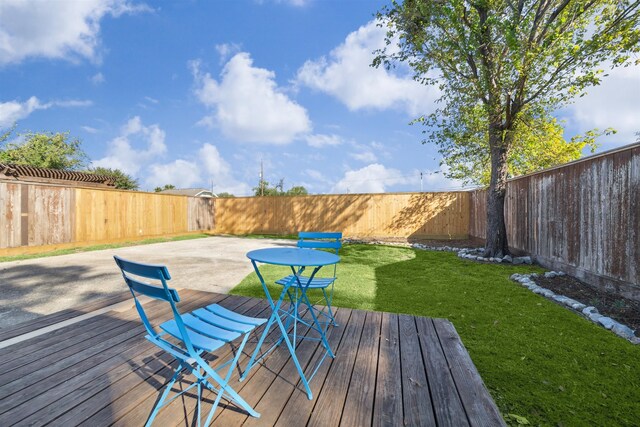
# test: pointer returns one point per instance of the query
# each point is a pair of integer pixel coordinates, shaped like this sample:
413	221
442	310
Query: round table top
293	256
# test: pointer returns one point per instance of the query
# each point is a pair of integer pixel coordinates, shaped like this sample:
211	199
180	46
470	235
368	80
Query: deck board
389	370
388	400
358	406
416	399
446	402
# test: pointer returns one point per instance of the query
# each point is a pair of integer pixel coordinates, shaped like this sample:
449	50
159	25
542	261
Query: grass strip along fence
542	363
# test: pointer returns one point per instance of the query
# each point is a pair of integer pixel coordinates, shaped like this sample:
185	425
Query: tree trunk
496	239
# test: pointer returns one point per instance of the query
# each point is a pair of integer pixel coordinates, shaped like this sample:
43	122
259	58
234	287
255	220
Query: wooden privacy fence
44	215
404	215
582	218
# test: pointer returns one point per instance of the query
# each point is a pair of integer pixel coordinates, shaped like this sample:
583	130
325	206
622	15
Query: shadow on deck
389	370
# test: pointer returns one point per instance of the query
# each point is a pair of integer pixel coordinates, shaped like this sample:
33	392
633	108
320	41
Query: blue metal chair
315	240
187	337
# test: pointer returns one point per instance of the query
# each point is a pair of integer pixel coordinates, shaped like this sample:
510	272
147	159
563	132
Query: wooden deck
389	370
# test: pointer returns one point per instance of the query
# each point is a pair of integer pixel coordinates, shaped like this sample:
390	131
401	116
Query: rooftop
193	192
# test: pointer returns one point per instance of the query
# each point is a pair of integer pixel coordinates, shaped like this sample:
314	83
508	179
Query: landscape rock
517	261
623	331
591	312
527	260
548	293
607	322
578	306
595	317
560	298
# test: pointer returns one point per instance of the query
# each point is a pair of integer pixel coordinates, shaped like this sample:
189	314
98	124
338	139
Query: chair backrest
320	240
160	291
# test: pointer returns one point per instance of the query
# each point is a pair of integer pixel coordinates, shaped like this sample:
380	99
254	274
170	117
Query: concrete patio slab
36	287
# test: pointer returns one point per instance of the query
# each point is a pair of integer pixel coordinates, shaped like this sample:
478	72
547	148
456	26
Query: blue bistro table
298	259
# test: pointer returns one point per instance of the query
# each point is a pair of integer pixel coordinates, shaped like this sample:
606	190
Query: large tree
503	62
45	150
539	143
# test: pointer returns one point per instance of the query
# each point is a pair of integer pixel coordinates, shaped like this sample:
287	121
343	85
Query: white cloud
247	104
139	149
55	29
13	111
348	76
97	79
219	172
368	153
225	50
321	140
374	178
435	180
89	129
365	156
612	104
122	151
298	3
319	181
181	173
71	103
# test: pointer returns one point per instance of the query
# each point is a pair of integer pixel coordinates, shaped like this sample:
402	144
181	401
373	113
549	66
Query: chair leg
323	337
329	300
165	393
199	403
226	388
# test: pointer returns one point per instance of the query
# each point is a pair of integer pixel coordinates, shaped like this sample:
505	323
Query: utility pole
261	179
421	182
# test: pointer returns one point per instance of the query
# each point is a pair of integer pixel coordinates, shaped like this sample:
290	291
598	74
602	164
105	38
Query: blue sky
195	93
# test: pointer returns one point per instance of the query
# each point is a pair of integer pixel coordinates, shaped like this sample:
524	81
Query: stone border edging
588	312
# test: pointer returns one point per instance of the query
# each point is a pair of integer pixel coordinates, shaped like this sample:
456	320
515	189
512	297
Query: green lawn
538	359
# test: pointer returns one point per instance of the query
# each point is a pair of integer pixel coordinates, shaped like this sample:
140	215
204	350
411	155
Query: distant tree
225	195
298	190
166	187
45	150
122	180
264	189
503	62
